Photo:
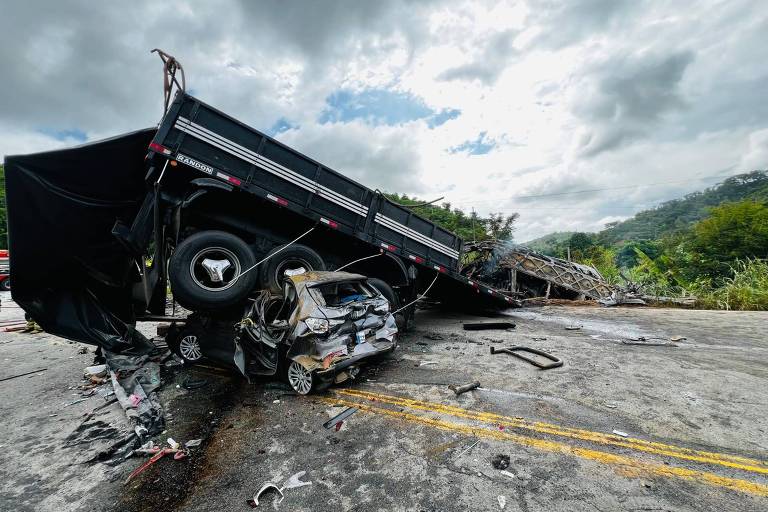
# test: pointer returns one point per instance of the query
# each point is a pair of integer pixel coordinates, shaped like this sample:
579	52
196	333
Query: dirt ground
694	413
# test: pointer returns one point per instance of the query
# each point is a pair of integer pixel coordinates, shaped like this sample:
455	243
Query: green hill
546	244
679	214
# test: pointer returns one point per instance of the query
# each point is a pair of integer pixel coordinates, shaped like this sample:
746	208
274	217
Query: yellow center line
627	465
731	461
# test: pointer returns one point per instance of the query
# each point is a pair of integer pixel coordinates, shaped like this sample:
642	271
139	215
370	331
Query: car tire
292	257
193	282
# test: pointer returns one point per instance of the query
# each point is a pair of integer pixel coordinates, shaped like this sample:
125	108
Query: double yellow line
501	431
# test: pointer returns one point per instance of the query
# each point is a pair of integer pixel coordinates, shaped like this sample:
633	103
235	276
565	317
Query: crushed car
317	332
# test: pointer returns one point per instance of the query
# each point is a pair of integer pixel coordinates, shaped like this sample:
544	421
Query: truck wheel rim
200	275
299	378
190	348
290	264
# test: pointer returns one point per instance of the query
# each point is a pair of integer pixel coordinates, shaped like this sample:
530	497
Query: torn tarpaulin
135	377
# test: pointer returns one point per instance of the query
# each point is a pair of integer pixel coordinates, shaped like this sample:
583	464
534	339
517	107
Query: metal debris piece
507	473
425	363
502	502
500	461
23	374
573	327
515	351
466	387
482	326
339	418
620	433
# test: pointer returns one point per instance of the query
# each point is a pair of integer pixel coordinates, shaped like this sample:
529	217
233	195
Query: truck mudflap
71	274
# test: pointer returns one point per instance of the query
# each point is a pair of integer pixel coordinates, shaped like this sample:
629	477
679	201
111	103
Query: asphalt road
694	411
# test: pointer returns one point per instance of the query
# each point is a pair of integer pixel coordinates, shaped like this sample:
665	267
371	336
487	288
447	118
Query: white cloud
576	95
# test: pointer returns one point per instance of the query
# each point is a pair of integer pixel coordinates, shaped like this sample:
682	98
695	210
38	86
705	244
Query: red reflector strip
389	247
439	269
234	180
154	146
417	259
278	200
330	223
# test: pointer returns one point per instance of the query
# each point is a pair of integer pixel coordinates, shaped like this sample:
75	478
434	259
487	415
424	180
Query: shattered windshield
340	294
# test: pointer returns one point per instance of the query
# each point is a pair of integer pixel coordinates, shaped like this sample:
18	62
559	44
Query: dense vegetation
711	244
467	226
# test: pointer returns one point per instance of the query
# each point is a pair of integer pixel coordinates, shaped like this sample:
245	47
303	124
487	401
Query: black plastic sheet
69	271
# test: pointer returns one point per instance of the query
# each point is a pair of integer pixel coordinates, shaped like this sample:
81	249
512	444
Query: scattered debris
620	433
192	443
500	461
467	449
515	351
502	502
159	454
264	488
99	370
76	401
173	443
293	482
23	374
466	387
482	326
339	418
425	363
507	473
677	338
573	327
611	406
642	341
539	338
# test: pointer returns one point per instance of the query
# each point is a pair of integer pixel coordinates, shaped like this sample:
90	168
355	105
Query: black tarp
69	271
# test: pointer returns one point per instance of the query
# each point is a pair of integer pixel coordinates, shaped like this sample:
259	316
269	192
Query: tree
733	231
500	226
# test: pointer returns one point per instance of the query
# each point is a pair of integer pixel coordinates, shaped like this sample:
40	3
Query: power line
589	191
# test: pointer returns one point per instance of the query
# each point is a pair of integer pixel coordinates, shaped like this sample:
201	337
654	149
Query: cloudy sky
573	113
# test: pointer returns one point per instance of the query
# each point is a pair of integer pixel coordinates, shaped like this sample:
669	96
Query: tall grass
745	290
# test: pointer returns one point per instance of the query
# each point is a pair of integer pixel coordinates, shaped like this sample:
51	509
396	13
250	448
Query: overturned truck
222	213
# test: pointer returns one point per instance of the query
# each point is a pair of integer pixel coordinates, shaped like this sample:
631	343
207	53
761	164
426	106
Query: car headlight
317	325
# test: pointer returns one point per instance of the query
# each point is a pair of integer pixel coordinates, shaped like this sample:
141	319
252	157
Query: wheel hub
299	378
189	348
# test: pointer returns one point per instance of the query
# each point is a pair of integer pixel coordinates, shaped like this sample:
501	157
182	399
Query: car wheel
300	378
207	270
186	345
292	258
6	285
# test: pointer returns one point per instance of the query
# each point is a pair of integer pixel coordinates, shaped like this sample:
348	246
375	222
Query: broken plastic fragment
193	443
264	489
295	481
620	433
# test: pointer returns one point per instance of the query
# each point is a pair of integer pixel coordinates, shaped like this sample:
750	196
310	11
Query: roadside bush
745	290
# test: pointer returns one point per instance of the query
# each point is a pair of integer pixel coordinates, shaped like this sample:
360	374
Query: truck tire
386	291
293	257
206	271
